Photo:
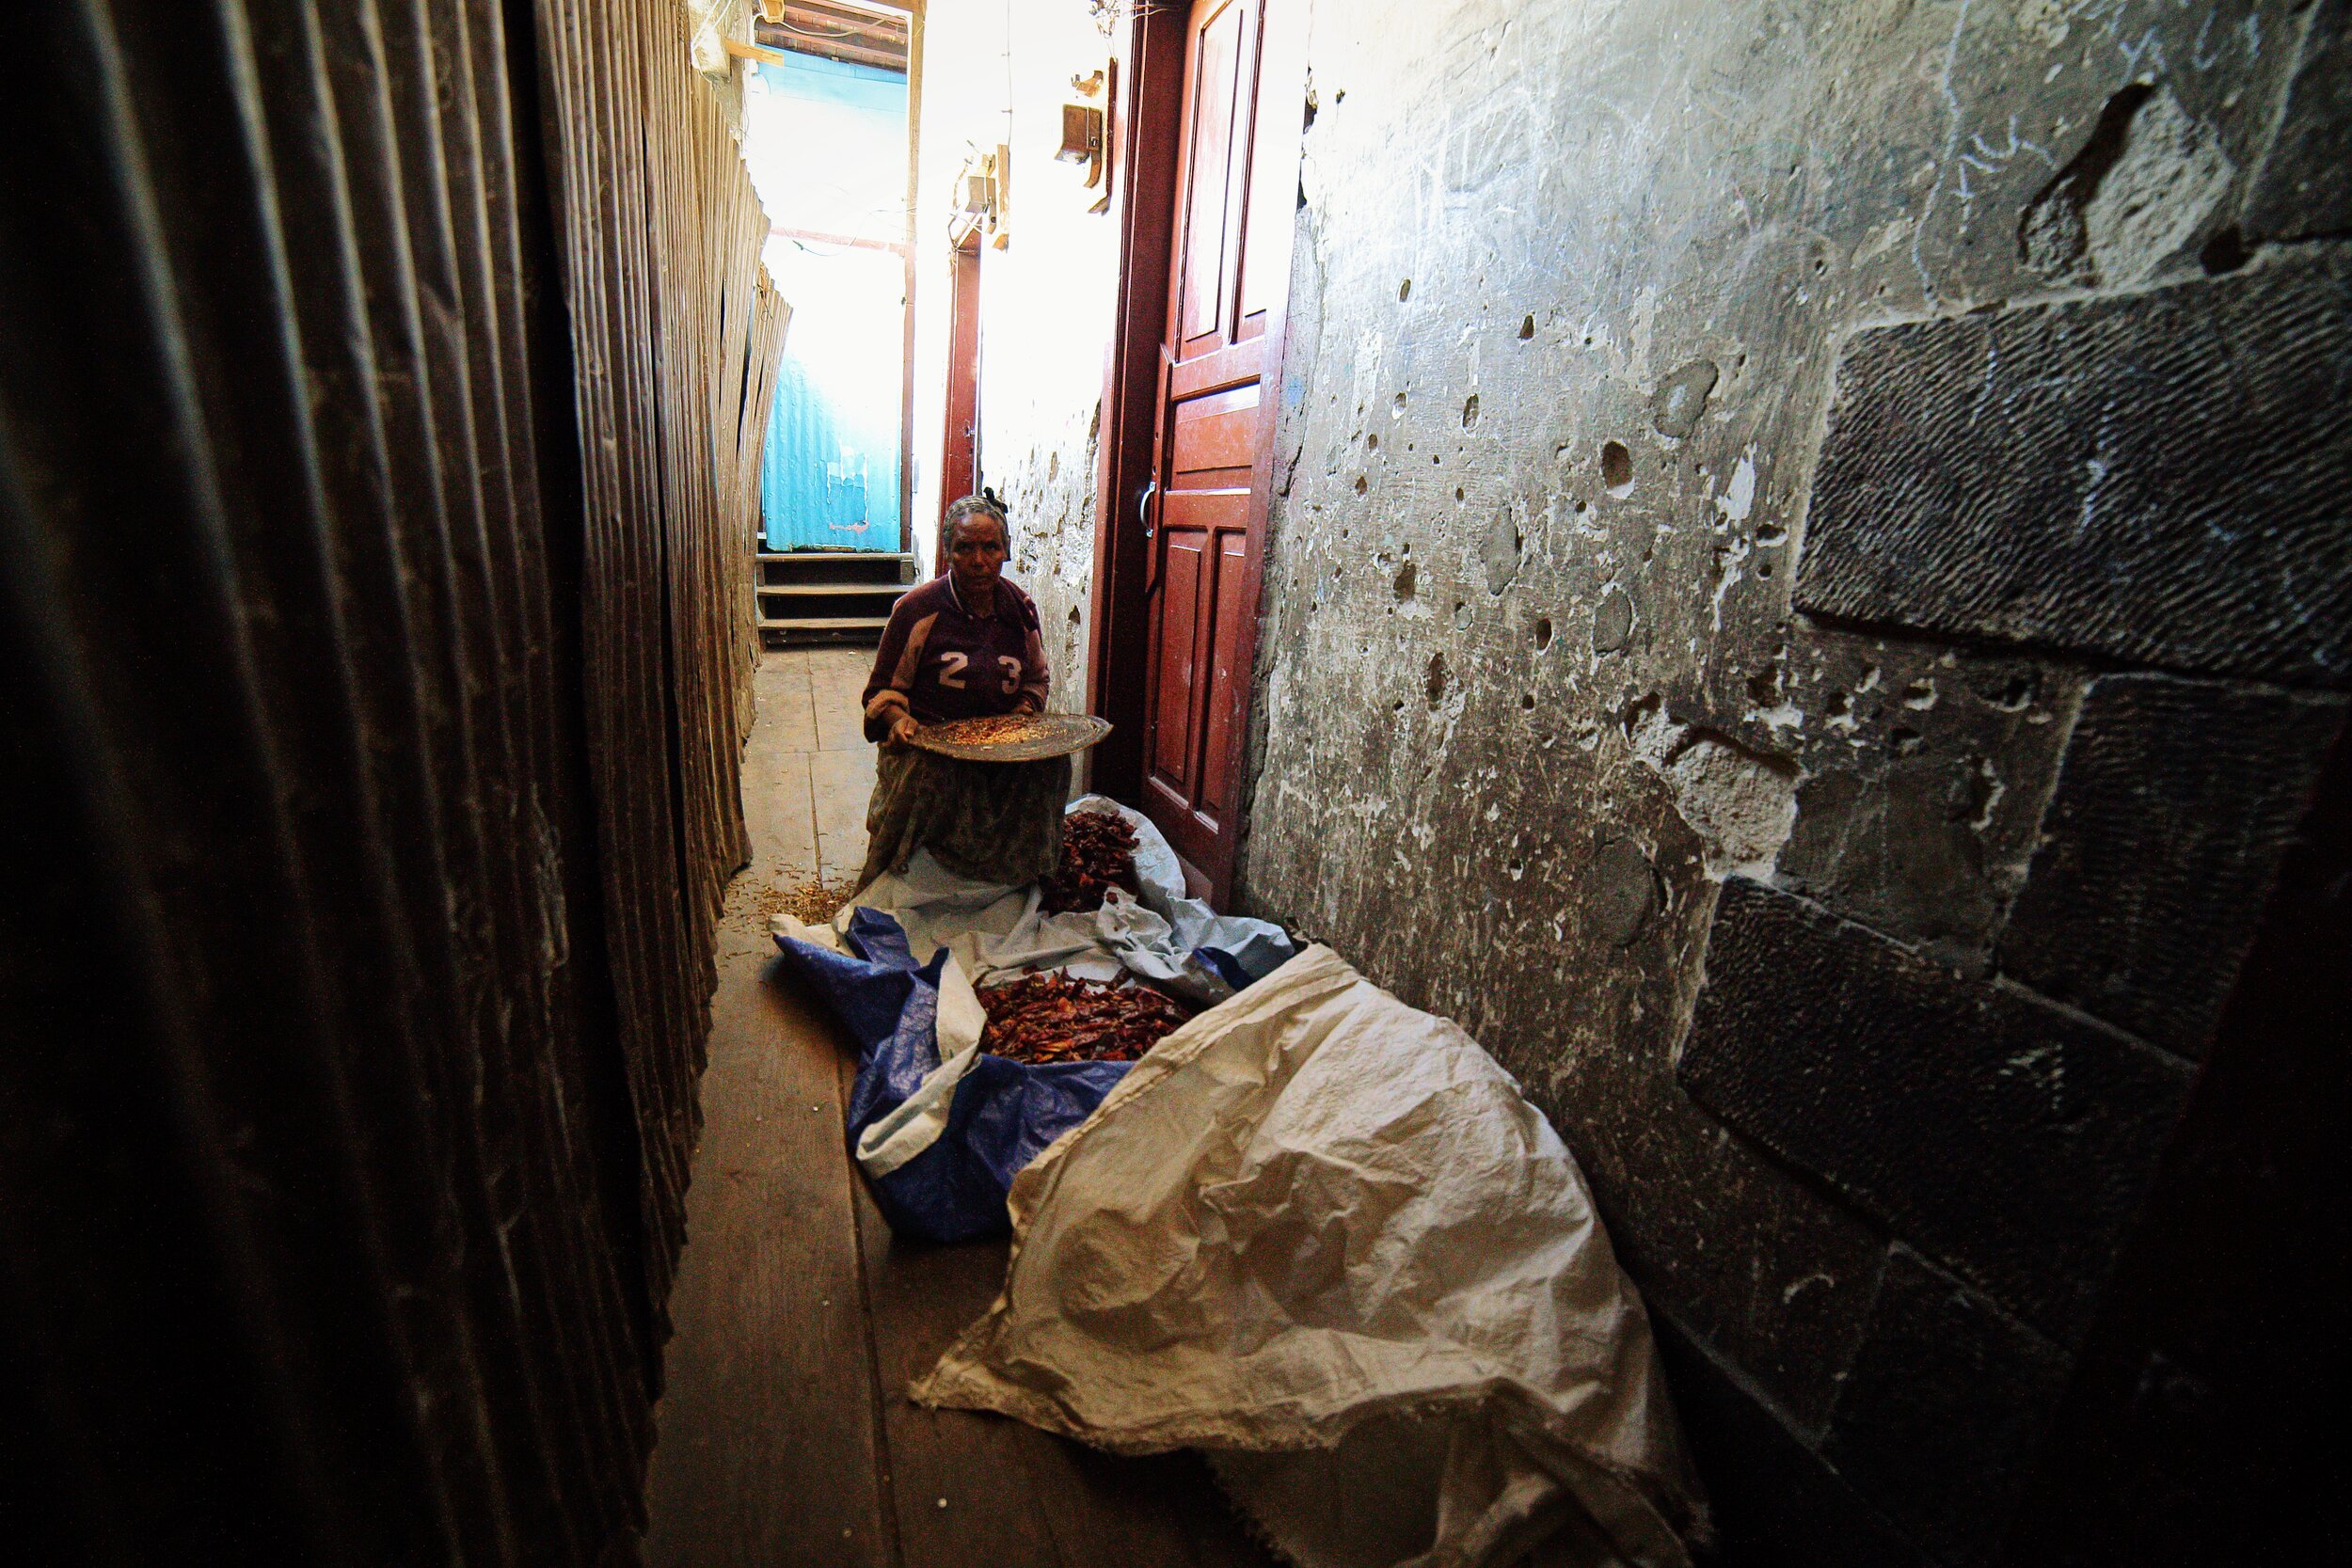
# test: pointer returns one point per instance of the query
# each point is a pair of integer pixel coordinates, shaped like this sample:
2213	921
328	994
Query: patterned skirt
991	821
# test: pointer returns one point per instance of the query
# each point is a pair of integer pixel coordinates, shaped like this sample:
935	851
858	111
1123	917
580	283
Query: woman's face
975	553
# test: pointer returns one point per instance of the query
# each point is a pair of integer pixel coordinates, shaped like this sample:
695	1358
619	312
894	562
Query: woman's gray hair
974	506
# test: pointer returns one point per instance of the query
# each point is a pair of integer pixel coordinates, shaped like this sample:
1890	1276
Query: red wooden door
959	459
1229	270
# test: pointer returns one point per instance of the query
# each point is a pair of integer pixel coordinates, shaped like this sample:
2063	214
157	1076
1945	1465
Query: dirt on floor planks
969	1487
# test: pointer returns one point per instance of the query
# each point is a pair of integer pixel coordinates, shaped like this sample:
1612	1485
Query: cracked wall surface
1599	311
1807	597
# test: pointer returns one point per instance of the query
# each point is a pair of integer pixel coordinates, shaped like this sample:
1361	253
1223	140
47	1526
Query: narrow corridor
1769	587
784	1436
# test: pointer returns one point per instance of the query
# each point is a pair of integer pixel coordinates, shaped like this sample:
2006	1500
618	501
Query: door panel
1264	249
1216	95
1225	668
1213	434
1173	658
1229	264
1206	509
959	458
1214	370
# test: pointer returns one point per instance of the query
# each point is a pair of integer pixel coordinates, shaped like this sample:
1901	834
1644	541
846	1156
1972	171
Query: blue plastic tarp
1003	1114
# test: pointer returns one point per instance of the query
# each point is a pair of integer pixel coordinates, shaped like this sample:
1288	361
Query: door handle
1143	507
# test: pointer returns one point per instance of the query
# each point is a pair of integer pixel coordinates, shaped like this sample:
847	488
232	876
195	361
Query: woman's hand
901	731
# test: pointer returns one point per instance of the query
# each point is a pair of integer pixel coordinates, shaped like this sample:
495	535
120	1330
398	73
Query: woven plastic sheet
1321	1235
938	1128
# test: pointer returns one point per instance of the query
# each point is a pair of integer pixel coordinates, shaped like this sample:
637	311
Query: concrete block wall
1809	597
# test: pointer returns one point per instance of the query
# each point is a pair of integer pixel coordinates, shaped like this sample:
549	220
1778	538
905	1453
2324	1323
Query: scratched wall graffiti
1586	605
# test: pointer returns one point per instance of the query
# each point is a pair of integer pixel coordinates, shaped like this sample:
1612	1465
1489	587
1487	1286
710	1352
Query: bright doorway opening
826	135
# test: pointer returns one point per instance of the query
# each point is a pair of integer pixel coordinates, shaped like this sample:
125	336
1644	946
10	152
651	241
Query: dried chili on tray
997	729
1057	1018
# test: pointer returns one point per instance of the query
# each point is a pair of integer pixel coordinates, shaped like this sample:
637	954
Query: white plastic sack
1322	1235
709	23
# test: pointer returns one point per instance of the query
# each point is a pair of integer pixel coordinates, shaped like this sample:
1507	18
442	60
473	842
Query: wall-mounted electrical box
984	196
1081	138
1084	132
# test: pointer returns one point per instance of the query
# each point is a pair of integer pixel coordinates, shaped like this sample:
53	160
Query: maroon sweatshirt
941	661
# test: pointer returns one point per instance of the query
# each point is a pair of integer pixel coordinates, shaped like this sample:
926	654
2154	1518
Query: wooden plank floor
786	1437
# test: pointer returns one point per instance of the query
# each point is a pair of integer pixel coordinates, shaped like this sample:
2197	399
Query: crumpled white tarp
1321	1235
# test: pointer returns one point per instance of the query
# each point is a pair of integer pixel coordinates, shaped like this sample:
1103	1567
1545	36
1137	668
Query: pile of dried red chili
1098	853
1055	1017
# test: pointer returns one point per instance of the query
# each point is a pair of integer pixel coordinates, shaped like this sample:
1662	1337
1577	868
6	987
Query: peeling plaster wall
1000	74
1806	599
1573	283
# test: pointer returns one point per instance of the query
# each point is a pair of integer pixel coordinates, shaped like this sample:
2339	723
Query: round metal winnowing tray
1042	736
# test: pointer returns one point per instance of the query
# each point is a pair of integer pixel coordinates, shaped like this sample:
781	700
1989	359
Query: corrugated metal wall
380	392
659	238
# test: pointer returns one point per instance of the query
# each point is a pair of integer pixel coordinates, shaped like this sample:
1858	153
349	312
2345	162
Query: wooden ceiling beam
827	17
832	23
881	16
818	29
885	59
830	30
842	11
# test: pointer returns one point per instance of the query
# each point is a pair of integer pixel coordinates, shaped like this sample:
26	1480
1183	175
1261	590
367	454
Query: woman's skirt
991	821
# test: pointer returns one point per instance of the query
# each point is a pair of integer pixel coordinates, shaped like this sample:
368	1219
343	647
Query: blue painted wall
827	146
826	479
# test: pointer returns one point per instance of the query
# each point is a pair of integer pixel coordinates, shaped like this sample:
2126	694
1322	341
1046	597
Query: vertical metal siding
377	386
660	234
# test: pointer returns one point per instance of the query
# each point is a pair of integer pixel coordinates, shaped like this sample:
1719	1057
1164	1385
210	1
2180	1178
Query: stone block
2160	478
2305	183
2175	803
1925	772
1776	1275
1774	1270
2006	1136
1776	1503
1939	1422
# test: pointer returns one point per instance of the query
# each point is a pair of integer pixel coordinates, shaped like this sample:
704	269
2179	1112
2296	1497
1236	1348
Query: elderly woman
963	645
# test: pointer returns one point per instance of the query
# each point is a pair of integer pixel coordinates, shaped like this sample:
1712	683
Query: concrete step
802	590
829	601
835	628
778	568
